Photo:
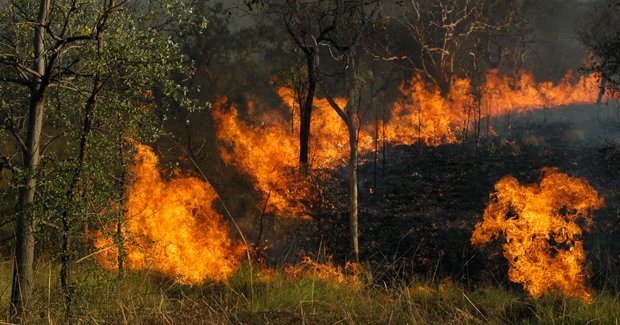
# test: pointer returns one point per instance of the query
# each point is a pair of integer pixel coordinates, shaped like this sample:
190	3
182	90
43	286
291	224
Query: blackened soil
419	205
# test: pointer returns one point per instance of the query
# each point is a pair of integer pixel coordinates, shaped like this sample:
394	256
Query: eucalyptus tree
75	75
347	43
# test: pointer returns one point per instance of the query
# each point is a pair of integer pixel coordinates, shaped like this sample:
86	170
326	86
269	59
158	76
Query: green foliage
135	74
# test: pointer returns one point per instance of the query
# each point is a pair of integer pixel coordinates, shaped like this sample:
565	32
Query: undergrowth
254	296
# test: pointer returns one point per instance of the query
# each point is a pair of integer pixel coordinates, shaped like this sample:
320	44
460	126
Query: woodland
309	162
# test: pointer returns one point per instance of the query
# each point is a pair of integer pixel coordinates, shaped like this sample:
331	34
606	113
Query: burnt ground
419	206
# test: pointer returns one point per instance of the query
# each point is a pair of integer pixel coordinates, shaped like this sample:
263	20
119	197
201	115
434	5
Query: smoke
578	125
555	47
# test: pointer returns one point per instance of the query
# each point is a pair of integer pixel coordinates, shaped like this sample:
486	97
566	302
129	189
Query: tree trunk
24	228
353	186
348	118
306	115
353	190
120	238
376	151
65	254
601	91
21	290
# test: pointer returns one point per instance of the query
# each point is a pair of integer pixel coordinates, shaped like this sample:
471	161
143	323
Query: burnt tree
308	24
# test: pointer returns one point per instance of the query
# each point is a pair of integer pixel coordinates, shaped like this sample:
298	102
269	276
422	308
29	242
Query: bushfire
542	225
426	115
171	226
265	145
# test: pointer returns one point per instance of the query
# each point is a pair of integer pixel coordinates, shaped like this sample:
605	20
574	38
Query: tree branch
8	124
21	82
332	102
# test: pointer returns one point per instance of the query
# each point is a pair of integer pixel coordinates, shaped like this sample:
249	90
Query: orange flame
170	226
266	145
526	94
425	115
541	224
268	148
349	274
267	152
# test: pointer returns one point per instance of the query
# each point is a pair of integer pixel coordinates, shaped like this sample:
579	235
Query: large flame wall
170	226
268	150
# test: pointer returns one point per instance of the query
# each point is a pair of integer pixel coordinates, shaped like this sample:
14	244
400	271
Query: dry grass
146	298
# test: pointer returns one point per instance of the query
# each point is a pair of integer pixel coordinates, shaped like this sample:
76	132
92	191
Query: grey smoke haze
555	47
585	125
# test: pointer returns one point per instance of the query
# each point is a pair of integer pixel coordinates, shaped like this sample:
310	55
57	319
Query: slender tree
74	53
307	23
359	16
444	39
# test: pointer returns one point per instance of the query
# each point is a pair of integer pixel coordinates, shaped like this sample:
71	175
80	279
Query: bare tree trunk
65	254
478	121
601	91
353	189
348	117
120	238
119	228
383	142
306	115
376	151
24	228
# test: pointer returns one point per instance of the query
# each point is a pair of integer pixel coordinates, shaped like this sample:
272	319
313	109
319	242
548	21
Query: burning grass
326	293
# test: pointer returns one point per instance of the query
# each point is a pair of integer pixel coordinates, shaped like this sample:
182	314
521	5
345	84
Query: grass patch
252	296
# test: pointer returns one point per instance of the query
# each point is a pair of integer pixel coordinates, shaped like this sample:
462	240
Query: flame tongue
541	224
171	226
